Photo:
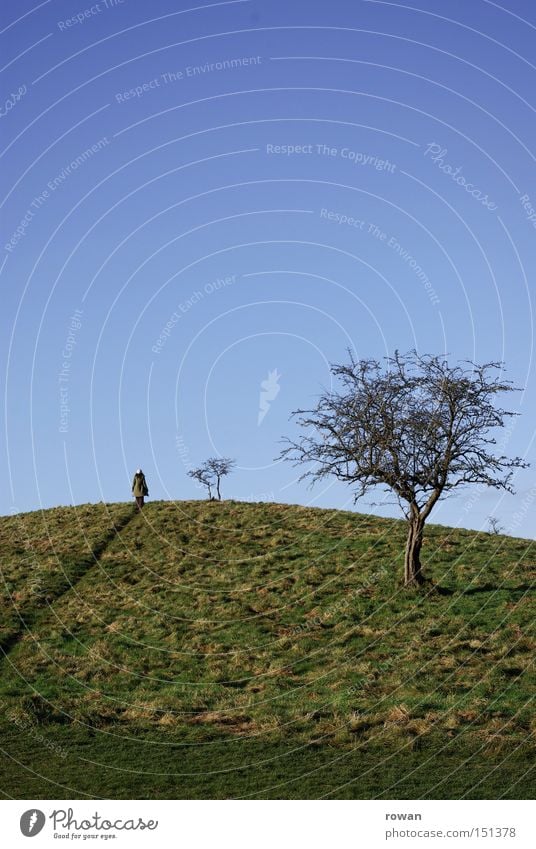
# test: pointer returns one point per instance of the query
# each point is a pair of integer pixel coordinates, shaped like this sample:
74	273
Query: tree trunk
412	564
218	488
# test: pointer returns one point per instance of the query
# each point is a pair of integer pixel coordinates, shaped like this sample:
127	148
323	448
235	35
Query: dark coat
139	486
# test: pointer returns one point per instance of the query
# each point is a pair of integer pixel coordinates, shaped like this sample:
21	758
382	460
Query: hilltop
238	633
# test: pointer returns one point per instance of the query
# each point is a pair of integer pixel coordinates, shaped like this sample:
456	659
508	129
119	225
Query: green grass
220	649
44	553
66	762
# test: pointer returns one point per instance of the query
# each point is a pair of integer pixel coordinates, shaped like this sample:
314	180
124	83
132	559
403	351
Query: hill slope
198	622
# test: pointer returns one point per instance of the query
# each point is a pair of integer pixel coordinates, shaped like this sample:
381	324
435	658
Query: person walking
139	488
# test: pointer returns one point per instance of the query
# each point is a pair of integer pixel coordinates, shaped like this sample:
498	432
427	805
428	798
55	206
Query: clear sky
203	205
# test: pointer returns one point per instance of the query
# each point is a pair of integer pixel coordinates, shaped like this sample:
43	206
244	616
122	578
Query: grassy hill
228	649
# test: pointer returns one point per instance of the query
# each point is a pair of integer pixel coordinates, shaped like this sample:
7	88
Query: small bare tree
212	471
201	476
494	526
418	427
220	467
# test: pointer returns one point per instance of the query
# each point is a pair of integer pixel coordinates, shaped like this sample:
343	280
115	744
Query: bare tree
202	476
418	427
211	473
220	467
494	526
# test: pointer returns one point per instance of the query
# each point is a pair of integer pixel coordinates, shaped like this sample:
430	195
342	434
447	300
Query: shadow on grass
484	588
73	574
128	763
488	588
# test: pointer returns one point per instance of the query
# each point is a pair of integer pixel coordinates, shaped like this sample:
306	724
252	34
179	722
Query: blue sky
194	198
